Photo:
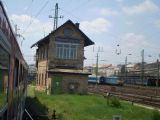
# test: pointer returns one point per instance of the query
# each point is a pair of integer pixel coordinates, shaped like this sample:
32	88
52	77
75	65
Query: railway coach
13	70
112	80
96	79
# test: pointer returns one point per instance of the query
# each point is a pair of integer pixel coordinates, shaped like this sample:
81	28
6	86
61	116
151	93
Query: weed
115	102
155	115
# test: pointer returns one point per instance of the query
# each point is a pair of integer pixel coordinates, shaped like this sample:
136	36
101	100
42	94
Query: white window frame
66	51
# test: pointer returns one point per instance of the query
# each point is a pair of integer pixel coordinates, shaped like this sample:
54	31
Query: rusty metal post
54	115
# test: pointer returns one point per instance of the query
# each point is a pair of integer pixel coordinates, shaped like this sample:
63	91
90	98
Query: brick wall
71	83
78	82
41	74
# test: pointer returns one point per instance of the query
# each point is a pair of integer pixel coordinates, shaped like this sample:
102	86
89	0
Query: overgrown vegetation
87	107
33	82
155	115
2	100
115	102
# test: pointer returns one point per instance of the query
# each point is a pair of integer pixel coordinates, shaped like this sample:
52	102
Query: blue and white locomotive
113	80
96	79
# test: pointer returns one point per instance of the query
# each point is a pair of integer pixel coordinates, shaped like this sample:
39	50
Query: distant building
32	72
104	69
60	58
131	67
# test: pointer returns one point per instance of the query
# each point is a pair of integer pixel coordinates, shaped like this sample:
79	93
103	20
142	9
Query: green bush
33	82
115	102
155	115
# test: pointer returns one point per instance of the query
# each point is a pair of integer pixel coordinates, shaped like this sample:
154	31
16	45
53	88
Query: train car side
13	69
93	79
136	80
105	80
114	80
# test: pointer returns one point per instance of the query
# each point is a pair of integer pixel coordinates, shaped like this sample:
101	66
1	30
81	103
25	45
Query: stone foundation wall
71	83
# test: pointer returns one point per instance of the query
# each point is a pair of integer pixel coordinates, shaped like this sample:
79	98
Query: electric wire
29	8
39	12
70	14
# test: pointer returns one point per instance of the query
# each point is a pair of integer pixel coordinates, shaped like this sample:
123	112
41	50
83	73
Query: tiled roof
88	41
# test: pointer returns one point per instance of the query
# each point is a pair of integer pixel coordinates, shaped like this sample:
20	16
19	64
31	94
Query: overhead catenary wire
70	14
29	7
46	3
80	6
80	18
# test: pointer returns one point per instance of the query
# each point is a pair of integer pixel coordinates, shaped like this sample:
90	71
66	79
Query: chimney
77	25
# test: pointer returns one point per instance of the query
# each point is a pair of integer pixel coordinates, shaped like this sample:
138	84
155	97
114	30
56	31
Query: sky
116	26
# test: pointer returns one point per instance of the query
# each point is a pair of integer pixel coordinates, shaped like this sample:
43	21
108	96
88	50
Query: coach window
16	73
4	66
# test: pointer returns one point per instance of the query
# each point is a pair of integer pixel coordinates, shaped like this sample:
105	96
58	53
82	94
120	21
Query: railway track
146	96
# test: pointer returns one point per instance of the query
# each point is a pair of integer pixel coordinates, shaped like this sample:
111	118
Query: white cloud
133	42
132	39
32	30
29	25
107	12
98	25
23	18
146	6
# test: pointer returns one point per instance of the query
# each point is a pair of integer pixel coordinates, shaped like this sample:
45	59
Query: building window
66	50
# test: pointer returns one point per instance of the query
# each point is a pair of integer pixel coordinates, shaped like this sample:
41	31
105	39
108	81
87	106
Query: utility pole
55	17
97	59
18	35
126	69
157	83
97	68
142	66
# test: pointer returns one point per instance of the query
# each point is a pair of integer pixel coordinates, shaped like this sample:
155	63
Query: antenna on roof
55	17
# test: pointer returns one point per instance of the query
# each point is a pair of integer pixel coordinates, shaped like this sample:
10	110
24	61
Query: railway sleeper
139	100
144	98
155	104
149	98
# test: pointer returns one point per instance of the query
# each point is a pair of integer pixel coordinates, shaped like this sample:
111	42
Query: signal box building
59	62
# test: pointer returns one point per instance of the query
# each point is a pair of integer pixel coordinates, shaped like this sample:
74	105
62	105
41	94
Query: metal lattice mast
55	17
142	66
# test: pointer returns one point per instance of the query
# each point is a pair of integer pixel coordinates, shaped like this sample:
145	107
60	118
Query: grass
86	107
2	100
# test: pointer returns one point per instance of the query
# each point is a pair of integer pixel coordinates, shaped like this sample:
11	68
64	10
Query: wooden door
57	84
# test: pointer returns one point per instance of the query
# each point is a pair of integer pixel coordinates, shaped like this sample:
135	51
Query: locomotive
112	80
13	72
